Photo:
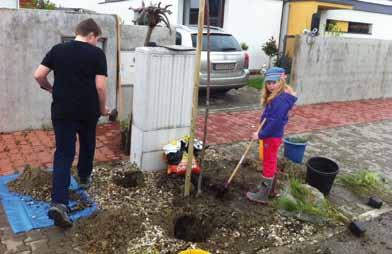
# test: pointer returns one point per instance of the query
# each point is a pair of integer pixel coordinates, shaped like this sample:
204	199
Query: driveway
245	98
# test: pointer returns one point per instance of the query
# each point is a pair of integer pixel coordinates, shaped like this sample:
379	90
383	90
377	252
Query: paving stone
34	235
13	245
62	243
22	248
39	246
3	248
55	234
64	250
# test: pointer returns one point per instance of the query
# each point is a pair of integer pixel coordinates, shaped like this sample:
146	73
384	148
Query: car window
219	42
178	38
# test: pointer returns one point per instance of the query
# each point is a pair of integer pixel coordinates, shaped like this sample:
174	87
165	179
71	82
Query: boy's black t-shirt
75	65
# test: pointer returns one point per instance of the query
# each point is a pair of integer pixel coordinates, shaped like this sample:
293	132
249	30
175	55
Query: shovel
220	192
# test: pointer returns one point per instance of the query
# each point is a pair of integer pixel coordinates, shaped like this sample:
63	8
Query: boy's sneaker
84	183
59	213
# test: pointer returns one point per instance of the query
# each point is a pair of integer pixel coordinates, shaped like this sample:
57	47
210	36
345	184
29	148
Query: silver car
229	64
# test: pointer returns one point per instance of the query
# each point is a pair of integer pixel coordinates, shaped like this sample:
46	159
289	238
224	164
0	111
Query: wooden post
119	95
205	132
195	97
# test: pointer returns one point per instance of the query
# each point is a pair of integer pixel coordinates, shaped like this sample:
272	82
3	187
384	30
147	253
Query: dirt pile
128	177
108	230
35	182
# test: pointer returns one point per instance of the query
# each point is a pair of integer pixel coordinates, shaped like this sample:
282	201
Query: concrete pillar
162	103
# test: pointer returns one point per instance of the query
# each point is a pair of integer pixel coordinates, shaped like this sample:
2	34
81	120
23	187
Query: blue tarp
25	214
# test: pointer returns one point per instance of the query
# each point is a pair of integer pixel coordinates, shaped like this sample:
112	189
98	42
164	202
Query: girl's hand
290	90
255	135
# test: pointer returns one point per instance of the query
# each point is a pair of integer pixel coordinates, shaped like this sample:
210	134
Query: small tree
244	46
151	15
270	49
40	4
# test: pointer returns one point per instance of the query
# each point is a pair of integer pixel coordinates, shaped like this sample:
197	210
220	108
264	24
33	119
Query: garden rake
220	192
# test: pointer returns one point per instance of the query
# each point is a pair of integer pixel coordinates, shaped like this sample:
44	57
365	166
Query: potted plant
151	16
294	148
244	46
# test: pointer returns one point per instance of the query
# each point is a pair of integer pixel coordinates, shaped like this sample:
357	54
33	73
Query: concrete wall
379	27
253	22
131	38
328	69
25	37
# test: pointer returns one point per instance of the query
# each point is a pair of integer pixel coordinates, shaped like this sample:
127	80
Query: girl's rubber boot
274	192
261	196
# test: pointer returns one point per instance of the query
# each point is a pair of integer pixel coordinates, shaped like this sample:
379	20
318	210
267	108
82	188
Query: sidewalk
36	147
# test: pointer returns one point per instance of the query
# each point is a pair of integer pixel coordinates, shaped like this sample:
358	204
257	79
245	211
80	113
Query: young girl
278	99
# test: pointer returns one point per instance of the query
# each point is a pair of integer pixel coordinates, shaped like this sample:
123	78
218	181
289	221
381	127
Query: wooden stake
195	97
119	95
205	132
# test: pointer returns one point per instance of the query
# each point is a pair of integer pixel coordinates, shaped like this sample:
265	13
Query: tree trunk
205	132
148	36
195	98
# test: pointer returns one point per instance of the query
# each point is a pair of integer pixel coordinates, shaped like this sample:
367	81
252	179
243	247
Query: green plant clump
365	183
305	205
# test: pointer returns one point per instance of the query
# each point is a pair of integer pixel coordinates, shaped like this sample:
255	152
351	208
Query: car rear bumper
225	83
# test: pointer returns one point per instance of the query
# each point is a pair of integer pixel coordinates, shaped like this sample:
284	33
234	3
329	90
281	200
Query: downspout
281	25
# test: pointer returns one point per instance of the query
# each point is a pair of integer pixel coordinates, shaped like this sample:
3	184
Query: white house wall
380	22
253	22
122	8
9	4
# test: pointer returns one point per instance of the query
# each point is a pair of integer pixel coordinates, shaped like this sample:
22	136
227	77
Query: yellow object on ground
194	251
261	153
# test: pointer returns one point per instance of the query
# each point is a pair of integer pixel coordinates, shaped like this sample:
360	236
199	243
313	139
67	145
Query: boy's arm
100	83
41	76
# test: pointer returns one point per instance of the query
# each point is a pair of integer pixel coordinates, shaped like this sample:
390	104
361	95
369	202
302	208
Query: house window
191	12
348	27
359	28
178	38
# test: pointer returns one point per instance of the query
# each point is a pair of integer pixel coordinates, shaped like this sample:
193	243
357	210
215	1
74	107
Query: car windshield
219	42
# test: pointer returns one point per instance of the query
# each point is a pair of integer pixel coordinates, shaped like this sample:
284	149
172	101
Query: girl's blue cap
274	74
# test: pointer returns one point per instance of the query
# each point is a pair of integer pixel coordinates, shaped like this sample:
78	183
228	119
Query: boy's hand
255	135
105	111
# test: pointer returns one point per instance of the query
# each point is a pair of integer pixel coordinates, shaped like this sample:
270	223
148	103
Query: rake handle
243	156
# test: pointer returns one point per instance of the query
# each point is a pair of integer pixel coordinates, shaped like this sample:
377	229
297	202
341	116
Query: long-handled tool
220	192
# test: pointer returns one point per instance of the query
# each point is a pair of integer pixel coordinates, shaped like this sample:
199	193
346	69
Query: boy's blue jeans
65	131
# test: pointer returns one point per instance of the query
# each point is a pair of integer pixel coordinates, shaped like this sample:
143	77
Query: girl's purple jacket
276	113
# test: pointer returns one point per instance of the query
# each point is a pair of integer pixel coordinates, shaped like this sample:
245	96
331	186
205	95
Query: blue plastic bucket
294	151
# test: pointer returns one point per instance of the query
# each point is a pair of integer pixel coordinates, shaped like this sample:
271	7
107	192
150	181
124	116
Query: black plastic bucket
321	173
